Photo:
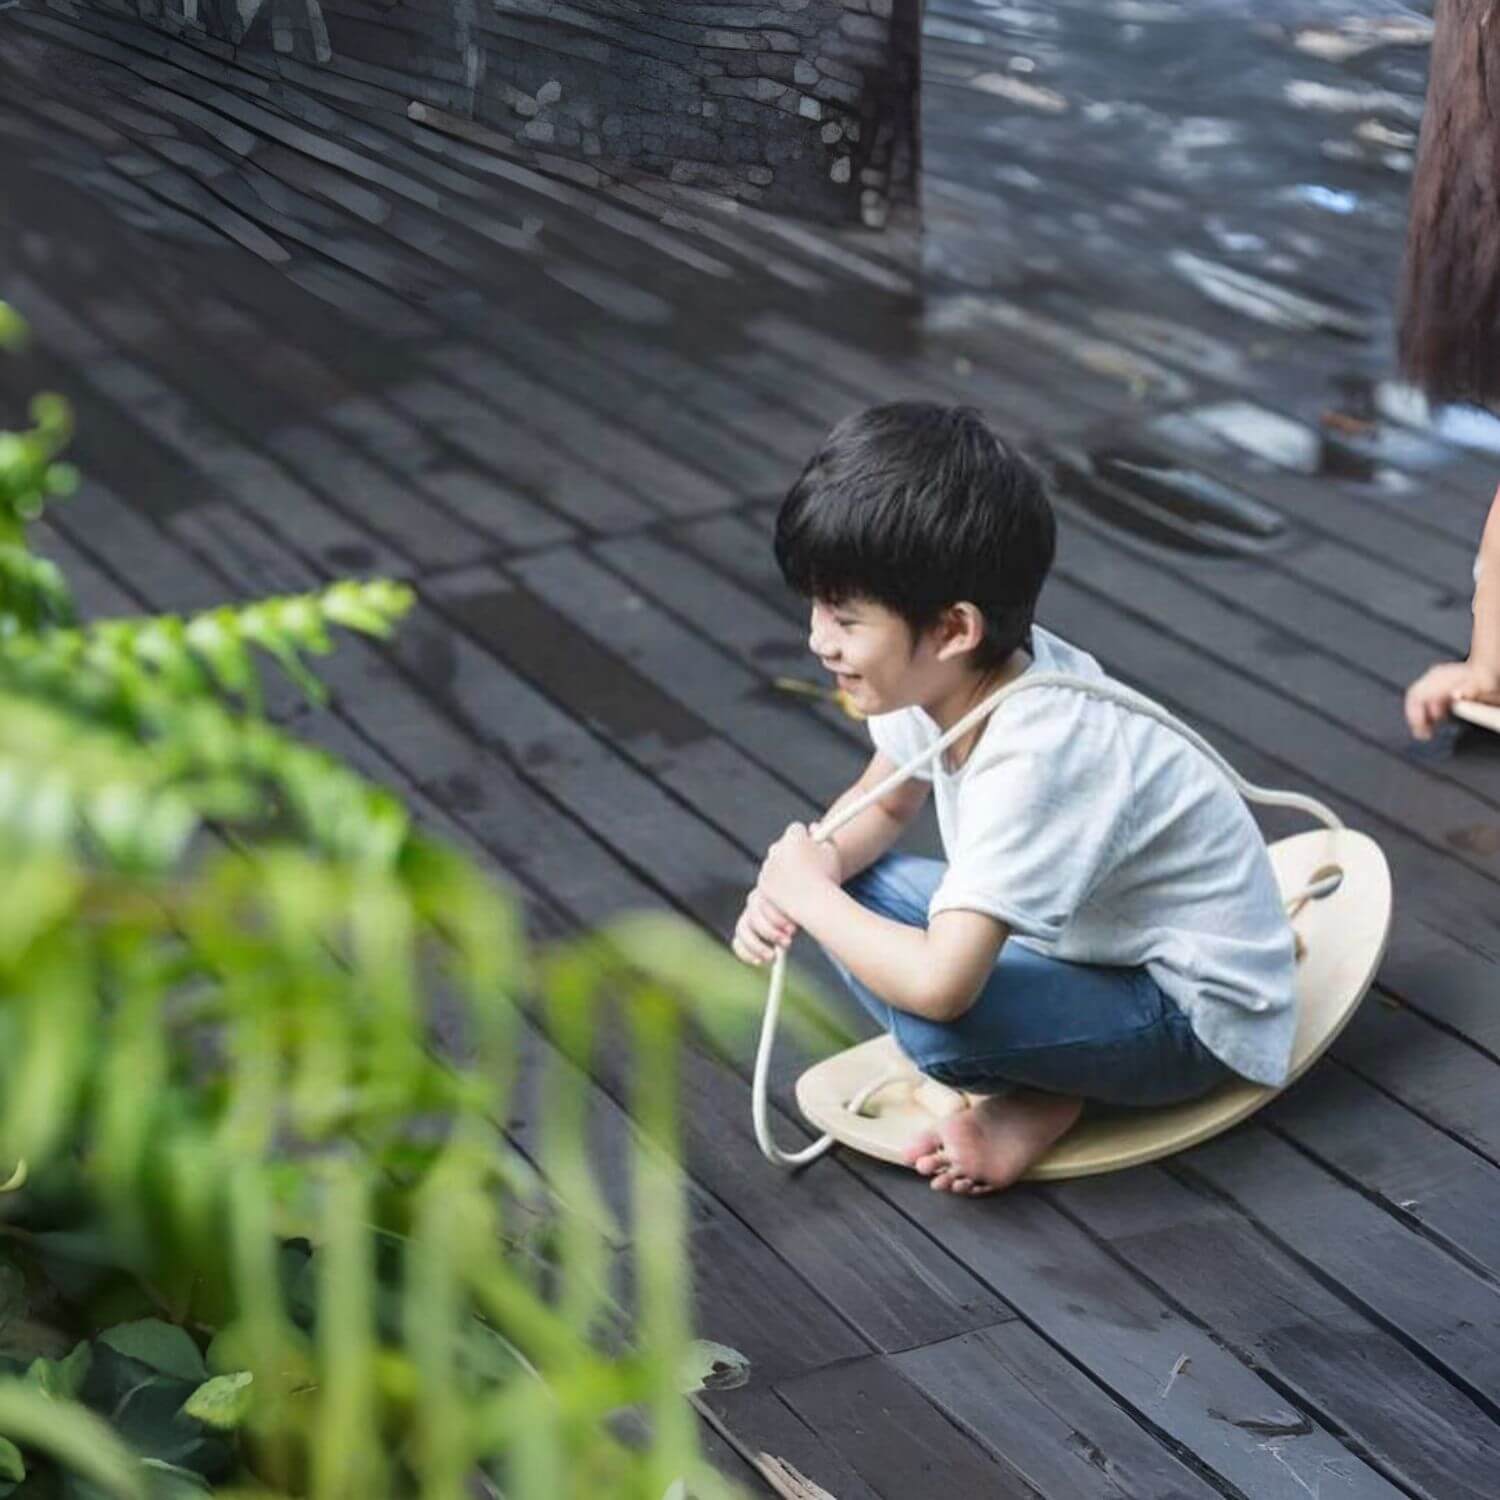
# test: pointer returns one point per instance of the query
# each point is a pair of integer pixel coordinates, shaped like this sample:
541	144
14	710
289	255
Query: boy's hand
796	866
1430	699
761	930
763	926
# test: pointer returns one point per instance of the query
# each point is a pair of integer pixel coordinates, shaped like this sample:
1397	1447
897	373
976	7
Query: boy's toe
927	1145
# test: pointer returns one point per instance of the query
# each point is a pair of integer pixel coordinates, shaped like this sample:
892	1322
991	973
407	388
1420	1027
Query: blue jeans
1085	1030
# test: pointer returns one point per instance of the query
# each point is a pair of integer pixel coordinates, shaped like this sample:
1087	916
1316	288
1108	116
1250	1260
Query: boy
1107	925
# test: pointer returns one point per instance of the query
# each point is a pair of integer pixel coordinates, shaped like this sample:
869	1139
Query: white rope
1108	691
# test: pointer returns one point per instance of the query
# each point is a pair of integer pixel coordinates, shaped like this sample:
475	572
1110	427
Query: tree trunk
1449	342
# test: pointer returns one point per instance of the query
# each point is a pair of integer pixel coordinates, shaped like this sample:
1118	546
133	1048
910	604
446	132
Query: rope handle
1109	692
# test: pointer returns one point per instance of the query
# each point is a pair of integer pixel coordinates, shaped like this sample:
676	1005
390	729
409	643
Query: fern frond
34	595
215	650
30	474
131	787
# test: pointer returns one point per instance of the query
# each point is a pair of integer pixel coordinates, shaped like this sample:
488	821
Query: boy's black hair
918	506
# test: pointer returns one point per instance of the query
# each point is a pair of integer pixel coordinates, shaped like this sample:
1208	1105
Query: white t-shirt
1098	835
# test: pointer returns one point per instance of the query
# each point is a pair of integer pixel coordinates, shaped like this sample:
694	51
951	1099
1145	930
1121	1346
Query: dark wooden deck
308	336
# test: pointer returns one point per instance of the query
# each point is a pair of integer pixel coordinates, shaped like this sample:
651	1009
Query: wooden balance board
1343	939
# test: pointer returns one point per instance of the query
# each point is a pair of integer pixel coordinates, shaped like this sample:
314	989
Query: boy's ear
960	629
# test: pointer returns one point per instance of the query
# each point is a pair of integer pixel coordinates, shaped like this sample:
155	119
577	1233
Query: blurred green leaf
173	1482
34	595
723	995
223	1401
12	1465
73	1436
149	1417
162	1346
62	1378
12	329
224	959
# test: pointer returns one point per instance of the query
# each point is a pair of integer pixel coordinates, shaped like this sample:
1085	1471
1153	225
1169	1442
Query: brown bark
1449	340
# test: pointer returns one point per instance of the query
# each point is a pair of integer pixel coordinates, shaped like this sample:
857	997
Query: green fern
34	595
216	650
303	1257
30	473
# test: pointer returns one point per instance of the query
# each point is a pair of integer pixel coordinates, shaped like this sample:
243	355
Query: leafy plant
262	1233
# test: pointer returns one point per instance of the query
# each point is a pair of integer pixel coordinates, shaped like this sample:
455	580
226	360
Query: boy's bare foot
989	1145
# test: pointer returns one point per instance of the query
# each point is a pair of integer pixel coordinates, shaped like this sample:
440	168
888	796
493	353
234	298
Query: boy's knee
896	886
863	886
877	882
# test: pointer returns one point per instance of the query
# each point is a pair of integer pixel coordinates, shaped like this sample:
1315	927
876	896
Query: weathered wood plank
1441	1309
613	1141
898	1443
797	761
523	375
534	461
777	427
1082	1300
765	640
1217	1268
869	1262
1396	527
203	449
480	790
95	593
1012	1391
1283	655
912	371
1415	1171
745	1296
1301	619
175	583
760	1425
776	376
729	1463
694	865
219	378
1447	1081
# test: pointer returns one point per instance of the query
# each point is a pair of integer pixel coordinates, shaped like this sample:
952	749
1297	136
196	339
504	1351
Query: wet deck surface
307	336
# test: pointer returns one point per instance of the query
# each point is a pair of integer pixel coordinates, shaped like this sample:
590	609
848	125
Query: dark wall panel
807	106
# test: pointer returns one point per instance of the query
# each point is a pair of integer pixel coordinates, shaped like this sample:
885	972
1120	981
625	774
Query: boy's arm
763	926
861	842
936	971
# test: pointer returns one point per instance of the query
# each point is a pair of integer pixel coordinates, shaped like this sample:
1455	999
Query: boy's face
875	658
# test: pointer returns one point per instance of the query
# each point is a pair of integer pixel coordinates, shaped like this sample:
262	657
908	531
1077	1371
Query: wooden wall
807	106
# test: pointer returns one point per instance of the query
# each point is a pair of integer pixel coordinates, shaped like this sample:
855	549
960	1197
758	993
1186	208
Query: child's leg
1077	1029
1083	1030
1043	1035
1049	1034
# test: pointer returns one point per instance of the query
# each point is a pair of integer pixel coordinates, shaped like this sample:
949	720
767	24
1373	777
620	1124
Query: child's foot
989	1145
